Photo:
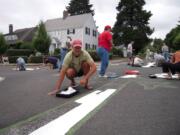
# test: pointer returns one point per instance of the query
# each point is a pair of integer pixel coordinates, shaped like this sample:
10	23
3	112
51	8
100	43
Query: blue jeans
166	56
21	66
104	56
63	54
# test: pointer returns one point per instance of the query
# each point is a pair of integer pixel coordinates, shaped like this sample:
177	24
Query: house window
14	37
11	37
94	33
67	31
87	31
94	47
70	31
87	46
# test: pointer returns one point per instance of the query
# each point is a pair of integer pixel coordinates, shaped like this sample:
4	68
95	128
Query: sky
28	13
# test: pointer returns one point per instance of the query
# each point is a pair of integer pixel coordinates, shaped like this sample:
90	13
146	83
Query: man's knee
85	65
70	73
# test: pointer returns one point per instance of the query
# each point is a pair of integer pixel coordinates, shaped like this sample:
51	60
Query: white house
77	27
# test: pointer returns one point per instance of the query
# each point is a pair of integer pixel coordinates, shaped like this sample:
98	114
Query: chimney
65	14
10	28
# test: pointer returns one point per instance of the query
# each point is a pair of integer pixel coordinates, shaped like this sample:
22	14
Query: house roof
25	34
76	21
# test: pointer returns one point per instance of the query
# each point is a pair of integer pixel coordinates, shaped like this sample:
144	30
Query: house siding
90	39
61	33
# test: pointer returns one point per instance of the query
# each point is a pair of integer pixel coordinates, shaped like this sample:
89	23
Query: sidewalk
116	60
28	64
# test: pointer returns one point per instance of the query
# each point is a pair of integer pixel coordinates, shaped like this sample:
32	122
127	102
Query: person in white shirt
130	52
159	59
64	49
137	62
165	52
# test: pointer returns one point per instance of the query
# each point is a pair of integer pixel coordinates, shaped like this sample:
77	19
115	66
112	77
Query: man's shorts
129	54
80	73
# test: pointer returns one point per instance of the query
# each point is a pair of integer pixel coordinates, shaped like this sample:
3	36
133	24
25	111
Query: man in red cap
76	63
104	47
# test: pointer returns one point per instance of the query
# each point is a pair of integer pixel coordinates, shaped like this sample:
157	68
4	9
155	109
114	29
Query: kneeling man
76	63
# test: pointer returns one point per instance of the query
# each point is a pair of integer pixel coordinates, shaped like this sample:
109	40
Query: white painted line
28	69
2	79
164	75
129	76
61	125
151	64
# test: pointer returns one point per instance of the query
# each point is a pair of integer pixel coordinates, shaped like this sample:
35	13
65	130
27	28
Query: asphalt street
138	106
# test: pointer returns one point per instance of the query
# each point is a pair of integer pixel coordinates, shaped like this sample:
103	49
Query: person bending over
173	66
51	62
20	64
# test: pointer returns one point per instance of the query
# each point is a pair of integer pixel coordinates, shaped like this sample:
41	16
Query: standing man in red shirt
104	47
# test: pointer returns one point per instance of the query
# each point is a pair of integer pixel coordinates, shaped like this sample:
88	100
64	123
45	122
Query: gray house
77	27
19	35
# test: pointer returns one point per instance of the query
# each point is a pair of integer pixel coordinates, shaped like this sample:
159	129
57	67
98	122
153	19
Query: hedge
38	59
12	59
19	52
35	59
94	55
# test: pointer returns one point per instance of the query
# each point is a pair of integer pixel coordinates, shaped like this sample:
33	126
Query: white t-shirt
158	57
66	44
165	48
138	61
129	48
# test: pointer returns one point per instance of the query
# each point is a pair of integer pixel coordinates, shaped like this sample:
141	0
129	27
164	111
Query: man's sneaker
105	76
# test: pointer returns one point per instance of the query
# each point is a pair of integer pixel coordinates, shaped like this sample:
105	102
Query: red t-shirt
104	40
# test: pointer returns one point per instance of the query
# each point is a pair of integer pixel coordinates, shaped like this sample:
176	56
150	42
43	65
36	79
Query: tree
172	39
157	45
176	41
77	7
42	41
3	46
132	24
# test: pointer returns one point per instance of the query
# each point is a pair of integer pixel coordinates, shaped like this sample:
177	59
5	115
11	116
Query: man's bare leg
169	76
85	66
71	73
88	87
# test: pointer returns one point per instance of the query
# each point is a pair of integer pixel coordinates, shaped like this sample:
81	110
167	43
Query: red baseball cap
107	27
77	43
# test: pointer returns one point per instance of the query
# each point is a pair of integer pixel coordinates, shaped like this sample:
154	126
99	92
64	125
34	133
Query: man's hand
83	82
53	92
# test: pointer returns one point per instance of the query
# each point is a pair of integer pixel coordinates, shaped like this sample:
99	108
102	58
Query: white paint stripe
151	64
2	79
61	125
164	75
129	76
28	69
